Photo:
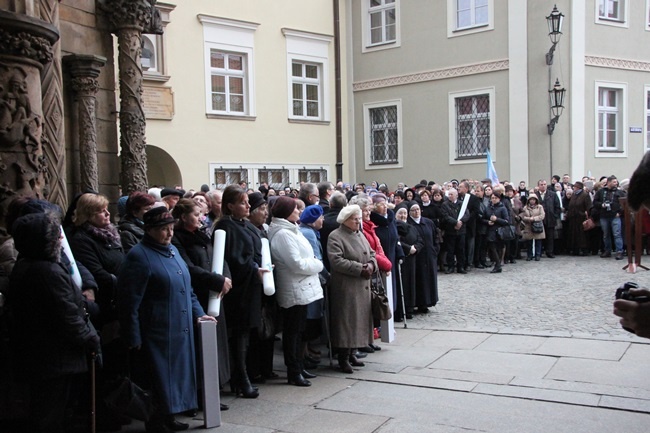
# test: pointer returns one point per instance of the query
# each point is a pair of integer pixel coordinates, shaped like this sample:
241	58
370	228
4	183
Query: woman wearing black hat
496	215
577	213
158	309
195	247
243	253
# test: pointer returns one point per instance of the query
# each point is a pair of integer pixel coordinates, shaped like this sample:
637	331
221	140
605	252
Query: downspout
337	86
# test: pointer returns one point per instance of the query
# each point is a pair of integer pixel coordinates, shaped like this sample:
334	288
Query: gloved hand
366	271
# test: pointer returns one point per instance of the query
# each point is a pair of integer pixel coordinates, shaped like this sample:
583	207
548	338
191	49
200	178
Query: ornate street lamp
554	22
556	95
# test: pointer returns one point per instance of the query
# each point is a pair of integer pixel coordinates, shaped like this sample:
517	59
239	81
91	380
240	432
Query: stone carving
23	44
141	13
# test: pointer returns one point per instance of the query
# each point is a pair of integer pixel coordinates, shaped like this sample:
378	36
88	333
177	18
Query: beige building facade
435	88
243	91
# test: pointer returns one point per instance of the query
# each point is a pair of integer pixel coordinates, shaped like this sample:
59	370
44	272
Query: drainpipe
337	73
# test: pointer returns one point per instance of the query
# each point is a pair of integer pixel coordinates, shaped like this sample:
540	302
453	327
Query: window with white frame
381	24
277	176
611	11
610	118
647	118
469	16
229	176
308	75
314	175
153	62
471	125
383	141
229	48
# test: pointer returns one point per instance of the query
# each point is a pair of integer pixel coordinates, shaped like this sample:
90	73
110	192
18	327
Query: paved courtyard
533	349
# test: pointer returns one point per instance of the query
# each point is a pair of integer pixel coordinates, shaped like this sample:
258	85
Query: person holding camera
633	309
609	210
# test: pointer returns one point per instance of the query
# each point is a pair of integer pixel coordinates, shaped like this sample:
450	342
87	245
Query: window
380	24
470	13
229	83
227	78
471	125
647	15
229	176
611	12
316	175
308	76
153	62
469	16
647	118
610	119
276	178
382	123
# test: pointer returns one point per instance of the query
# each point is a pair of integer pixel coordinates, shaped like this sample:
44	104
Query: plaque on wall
158	102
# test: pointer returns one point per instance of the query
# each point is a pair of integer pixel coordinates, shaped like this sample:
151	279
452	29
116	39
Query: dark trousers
455	249
495	248
294	326
550	238
50	403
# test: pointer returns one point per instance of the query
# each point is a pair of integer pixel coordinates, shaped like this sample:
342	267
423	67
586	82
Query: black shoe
374	346
157	427
344	364
270	375
258	379
449	271
398	319
495	271
461	271
312	360
423	310
190	413
619	256
309	365
308	375
550	255
355	362
176	425
605	255
479	266
359	354
409	316
537	259
528	259
367	349
298	380
223	406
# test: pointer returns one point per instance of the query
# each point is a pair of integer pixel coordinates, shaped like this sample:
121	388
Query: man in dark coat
454	232
609	210
474	208
552	209
337	202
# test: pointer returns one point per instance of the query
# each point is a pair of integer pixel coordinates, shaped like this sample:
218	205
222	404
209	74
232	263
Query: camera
608	205
623	292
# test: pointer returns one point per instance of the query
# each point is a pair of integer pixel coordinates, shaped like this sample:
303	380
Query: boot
497	269
354	361
242	382
344	362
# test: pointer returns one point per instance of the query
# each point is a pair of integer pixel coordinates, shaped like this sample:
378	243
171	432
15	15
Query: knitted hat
255	200
378	198
311	214
283	207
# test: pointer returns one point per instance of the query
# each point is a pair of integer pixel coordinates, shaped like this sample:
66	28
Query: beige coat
349	293
528	215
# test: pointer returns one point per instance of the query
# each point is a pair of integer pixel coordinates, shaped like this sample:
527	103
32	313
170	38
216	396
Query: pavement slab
466	376
419	381
610	390
452	340
577	348
511	343
570	397
632	375
495	363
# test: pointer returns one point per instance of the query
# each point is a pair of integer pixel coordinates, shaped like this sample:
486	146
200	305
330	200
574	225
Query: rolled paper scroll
74	269
218	252
267	277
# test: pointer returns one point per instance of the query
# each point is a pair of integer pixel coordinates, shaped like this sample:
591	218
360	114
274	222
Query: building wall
195	141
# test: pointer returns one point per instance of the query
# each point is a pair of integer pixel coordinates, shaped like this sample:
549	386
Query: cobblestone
567	296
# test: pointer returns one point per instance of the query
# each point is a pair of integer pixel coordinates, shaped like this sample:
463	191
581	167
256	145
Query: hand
366	271
458	225
634	315
413	250
227	285
493	218
89	294
261	272
205	318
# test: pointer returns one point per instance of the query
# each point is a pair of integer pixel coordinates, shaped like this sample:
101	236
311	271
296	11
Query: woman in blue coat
158	310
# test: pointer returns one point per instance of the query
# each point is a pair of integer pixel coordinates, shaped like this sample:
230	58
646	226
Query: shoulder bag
537	227
380	306
506	233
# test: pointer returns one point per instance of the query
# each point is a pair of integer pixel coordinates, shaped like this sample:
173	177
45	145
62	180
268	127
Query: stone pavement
534	349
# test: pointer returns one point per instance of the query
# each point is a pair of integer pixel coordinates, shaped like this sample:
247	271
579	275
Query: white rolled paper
74	269
267	277
218	253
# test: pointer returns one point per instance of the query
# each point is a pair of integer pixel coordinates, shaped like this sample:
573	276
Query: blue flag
491	172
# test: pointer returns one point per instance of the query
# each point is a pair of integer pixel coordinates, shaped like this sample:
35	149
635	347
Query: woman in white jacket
296	282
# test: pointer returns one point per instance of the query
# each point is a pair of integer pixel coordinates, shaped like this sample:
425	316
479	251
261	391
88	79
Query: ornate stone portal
25	46
129	19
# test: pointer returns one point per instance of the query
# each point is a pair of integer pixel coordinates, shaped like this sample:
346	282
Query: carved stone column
129	19
25	46
84	70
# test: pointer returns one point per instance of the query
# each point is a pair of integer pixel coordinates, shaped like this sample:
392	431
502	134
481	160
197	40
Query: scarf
108	234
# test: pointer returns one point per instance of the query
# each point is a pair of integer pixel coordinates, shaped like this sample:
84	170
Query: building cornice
436	74
609	62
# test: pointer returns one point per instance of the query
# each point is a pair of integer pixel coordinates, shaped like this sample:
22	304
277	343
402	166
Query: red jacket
384	264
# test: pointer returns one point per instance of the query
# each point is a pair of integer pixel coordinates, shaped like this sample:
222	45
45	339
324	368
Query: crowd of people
145	278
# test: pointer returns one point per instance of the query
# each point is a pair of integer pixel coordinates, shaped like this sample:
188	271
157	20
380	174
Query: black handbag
506	233
537	227
380	307
130	400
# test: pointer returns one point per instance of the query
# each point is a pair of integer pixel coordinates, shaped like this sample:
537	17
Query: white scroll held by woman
267	277
74	269
218	253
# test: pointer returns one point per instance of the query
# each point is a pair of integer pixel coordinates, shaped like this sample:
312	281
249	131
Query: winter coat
528	215
329	225
426	268
579	205
196	250
409	237
386	231
296	268
369	232
243	253
131	232
103	260
450	212
51	334
158	309
350	311
611	196
552	208
503	219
